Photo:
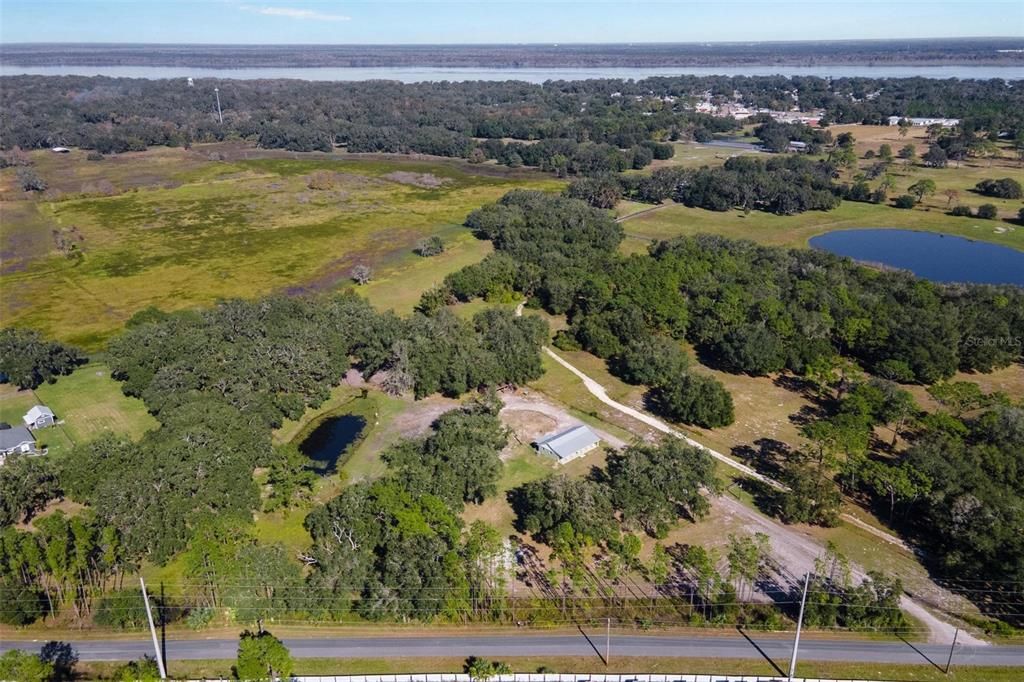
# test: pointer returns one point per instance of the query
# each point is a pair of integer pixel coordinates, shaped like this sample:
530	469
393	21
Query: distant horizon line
552	43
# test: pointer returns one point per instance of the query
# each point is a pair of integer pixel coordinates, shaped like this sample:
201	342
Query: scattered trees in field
905	201
361	273
935	157
1005	188
30	180
922	188
429	246
909	154
987	212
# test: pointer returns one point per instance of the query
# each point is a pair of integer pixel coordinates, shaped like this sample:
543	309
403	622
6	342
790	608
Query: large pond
330	440
415	74
934	256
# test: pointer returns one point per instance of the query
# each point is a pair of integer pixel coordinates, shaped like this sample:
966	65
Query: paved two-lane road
540	645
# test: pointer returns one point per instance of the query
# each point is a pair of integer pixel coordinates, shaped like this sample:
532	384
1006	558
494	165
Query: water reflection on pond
331	439
934	256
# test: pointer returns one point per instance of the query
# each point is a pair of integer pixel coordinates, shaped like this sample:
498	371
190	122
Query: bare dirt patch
423	180
528	425
530	401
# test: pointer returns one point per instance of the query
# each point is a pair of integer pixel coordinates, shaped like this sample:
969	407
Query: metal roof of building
567	443
15	436
38	411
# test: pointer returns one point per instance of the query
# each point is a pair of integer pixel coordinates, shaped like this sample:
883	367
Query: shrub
988	212
94	156
123	609
963	211
30	180
200	617
904	201
429	246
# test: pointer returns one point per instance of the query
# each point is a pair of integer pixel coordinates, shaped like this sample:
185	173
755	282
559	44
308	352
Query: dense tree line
782	185
27	360
117	114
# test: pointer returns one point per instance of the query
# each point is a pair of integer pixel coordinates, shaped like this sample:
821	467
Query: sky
490	21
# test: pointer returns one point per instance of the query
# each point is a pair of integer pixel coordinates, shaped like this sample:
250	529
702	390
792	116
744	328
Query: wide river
531	75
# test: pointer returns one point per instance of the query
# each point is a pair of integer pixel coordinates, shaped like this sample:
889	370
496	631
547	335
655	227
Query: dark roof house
17	440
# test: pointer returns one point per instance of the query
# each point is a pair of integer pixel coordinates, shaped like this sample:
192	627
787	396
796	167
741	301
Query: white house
567	445
39	417
17	440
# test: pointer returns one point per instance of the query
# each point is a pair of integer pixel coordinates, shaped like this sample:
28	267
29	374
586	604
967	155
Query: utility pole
152	631
216	91
799	624
949	661
608	642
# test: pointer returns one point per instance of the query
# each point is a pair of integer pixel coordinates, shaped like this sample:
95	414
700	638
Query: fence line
560	677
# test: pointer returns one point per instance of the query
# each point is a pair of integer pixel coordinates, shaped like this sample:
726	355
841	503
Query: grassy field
592	664
796	231
179	230
87	402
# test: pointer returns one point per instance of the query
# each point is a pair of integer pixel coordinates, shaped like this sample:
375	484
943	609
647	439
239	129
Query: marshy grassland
174	229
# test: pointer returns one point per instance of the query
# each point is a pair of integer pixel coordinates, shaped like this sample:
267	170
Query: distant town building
922	122
39	417
17	440
567	445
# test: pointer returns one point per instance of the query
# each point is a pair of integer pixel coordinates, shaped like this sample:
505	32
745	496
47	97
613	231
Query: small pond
330	440
934	256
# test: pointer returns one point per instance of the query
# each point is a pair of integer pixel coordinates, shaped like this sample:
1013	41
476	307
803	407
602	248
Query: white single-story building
39	417
922	122
16	440
60	150
567	445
